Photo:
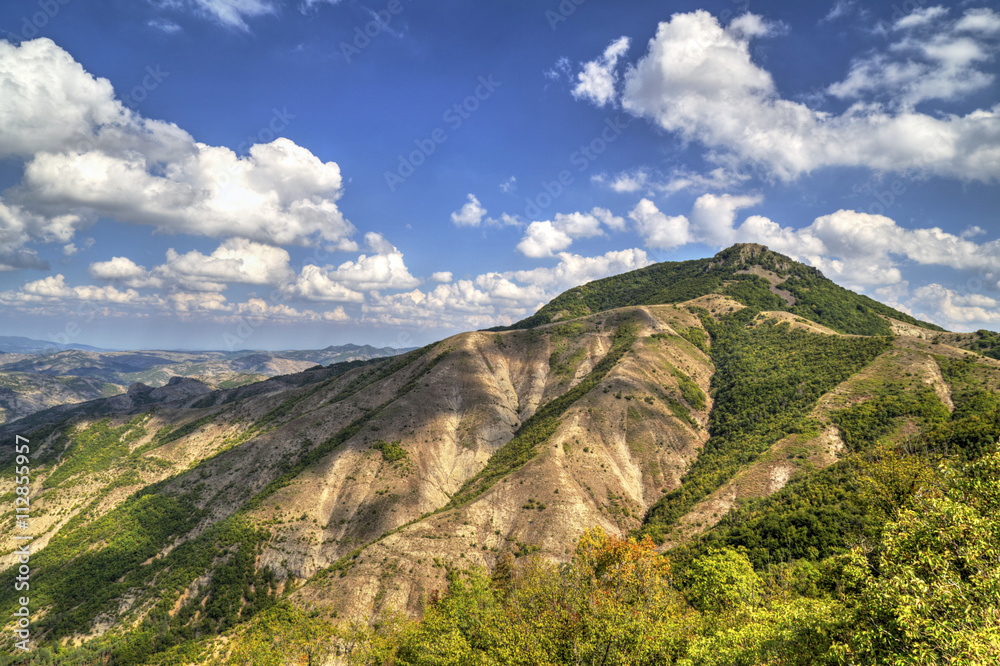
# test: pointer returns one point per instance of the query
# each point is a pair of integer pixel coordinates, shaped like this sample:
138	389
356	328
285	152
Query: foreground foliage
927	591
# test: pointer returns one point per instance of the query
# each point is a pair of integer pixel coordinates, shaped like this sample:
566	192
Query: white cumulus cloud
699	81
597	80
546	237
86	155
470	214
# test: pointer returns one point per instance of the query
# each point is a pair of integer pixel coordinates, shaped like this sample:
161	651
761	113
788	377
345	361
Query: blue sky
267	174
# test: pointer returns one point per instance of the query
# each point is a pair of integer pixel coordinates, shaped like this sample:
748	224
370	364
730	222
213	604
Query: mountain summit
715	399
749	273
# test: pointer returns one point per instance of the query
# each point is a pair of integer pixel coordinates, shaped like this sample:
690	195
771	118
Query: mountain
726	403
30	382
13	344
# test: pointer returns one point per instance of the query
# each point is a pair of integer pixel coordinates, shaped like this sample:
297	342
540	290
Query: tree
933	594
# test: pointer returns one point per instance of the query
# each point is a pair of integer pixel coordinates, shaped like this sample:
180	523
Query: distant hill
13	344
35	379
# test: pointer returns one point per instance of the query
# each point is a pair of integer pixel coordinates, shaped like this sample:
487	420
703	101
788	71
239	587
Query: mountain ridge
650	285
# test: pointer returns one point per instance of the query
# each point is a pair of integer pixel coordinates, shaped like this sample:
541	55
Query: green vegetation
96	449
77	581
823	513
768	377
690	391
888	556
695	336
391	451
987	343
815	297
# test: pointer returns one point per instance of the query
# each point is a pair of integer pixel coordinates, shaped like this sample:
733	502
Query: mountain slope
361	487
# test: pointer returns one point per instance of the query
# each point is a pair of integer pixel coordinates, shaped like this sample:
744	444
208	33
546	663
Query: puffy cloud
236	260
954	310
470	214
87	155
54	289
699	81
574	269
315	284
460	304
712	217
936	61
542	239
442	277
19	226
597	80
658	230
546	237
280	193
201	302
495	299
259	308
979	20
608	219
624	182
385	269
125	271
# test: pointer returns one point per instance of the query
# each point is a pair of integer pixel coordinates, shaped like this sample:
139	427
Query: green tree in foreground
612	604
933	594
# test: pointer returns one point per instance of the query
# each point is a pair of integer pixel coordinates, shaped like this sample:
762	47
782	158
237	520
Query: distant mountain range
14	344
37	377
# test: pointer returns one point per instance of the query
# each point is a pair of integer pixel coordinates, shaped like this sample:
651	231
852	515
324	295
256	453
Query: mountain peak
743	252
749	273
